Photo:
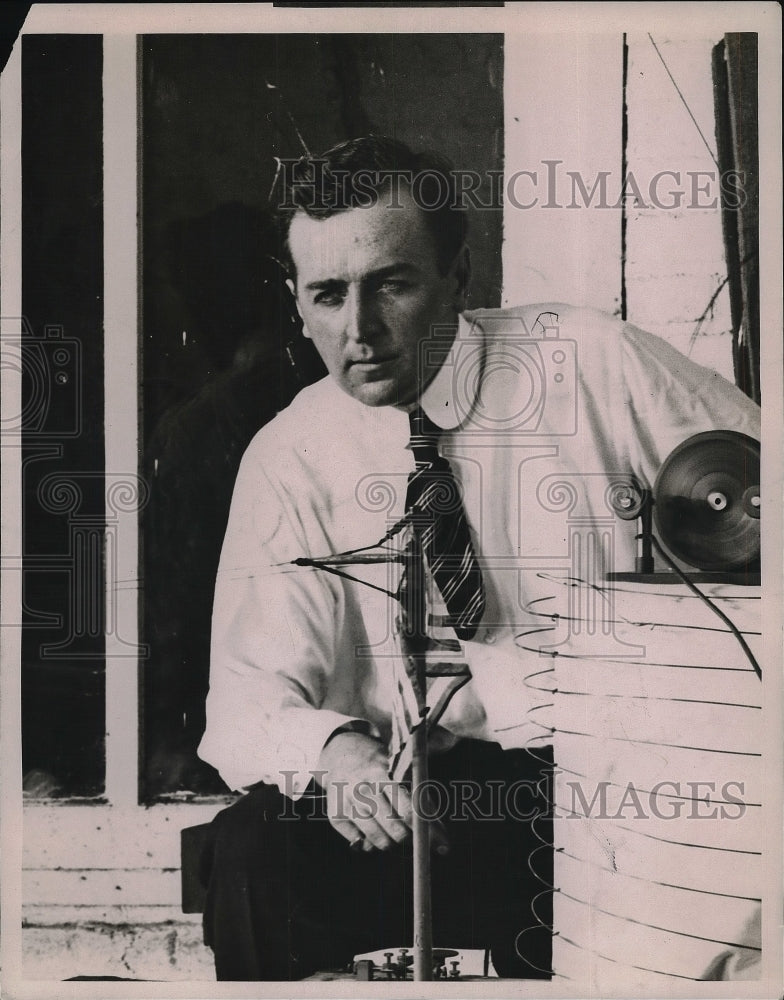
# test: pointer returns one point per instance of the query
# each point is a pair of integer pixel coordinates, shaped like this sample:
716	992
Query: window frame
59	853
50	844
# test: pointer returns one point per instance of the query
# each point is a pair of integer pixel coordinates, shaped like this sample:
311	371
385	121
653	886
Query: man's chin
380	393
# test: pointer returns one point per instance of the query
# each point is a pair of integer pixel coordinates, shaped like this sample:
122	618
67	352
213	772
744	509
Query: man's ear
293	289
461	272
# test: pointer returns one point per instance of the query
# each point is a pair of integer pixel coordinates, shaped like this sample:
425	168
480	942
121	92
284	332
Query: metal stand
643	562
415	644
423	923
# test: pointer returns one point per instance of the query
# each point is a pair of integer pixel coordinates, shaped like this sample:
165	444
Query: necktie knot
424	437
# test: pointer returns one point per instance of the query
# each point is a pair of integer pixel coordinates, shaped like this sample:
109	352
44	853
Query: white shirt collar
438	400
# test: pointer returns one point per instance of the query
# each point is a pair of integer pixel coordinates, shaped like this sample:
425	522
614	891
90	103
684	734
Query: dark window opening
62	419
217	322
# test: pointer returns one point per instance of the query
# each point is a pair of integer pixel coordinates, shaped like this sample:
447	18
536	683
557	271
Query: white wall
675	257
118	870
564	101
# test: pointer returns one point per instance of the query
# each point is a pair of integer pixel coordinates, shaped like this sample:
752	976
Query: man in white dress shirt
540	409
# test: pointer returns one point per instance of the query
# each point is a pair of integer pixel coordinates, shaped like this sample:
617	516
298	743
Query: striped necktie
435	504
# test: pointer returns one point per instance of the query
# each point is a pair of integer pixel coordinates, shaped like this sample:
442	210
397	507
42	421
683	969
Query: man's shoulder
310	417
603	340
545	320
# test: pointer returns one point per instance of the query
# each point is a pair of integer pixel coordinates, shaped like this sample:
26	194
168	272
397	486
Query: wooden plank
161	952
106	836
114	887
67	914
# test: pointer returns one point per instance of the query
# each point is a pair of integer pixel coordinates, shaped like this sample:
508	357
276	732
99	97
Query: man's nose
362	319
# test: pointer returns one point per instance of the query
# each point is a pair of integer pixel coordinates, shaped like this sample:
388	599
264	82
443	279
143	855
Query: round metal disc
701	499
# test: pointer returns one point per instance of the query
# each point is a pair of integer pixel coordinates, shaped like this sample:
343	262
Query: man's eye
394	286
329	298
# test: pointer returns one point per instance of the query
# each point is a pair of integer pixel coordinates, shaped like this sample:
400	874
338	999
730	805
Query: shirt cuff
297	760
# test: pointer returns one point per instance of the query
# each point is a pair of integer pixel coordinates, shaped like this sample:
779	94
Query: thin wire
656	697
653	881
648	663
686	843
278	168
319	561
346	576
655	927
656	743
716	610
664	795
556	616
396	528
615	961
279	94
701	319
301	140
322	562
683	99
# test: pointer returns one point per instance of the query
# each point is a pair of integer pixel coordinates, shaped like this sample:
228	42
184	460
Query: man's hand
363	804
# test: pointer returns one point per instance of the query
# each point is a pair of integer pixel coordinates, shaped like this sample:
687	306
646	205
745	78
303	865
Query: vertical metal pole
644	561
417	644
423	923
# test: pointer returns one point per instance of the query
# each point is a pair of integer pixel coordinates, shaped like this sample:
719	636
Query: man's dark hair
359	172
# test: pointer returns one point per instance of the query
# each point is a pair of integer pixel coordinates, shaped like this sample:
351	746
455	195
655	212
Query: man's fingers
400	802
439	841
347	829
367	825
374	834
376	816
381	813
396	813
394	828
363	834
403	809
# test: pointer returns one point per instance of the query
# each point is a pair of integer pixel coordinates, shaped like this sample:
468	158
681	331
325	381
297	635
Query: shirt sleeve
277	684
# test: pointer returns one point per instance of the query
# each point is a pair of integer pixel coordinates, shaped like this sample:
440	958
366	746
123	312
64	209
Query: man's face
369	291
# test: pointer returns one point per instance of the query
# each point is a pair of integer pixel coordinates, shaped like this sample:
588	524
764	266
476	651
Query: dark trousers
287	897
